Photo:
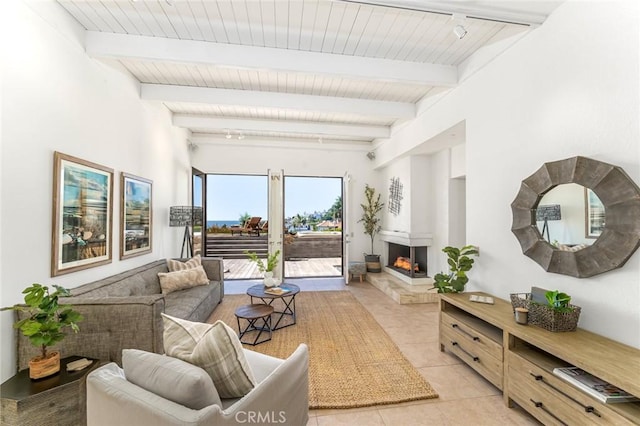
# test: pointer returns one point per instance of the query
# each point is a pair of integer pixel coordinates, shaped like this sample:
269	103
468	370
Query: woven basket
520	300
544	316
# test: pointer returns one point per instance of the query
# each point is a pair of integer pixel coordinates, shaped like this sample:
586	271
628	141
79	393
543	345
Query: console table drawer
545	392
473	338
474	355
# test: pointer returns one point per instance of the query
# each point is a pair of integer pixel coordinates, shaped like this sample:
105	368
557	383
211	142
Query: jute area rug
352	361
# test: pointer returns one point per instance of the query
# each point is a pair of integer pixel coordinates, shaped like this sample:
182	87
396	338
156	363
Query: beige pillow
176	265
213	347
179	280
170	378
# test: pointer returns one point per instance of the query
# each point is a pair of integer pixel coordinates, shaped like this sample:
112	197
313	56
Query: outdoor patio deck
313	267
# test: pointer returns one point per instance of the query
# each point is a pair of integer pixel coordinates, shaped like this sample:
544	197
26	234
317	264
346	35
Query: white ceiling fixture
343	72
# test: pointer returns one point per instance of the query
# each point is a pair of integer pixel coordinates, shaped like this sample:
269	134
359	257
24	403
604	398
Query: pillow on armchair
213	347
170	378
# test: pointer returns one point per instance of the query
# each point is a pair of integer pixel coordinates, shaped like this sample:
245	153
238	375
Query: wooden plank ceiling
303	70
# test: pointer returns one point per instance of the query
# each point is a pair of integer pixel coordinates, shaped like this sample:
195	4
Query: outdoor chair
253	225
264	228
250	226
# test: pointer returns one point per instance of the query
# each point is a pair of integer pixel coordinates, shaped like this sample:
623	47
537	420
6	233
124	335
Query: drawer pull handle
587	408
476	338
541	406
473	357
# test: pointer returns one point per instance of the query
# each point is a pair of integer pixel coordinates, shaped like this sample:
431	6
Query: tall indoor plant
459	264
44	325
372	224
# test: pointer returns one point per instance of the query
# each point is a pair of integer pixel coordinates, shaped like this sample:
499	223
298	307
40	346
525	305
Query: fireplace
406	256
410	261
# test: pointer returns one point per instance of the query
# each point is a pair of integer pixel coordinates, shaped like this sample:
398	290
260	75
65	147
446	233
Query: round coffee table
252	313
288	301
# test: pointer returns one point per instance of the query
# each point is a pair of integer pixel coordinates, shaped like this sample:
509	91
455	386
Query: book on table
278	291
598	388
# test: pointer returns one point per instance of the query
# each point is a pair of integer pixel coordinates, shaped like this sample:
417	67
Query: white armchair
280	396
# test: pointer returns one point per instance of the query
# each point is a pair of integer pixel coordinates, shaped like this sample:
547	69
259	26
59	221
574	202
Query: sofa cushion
213	347
180	280
193	304
176	265
170	378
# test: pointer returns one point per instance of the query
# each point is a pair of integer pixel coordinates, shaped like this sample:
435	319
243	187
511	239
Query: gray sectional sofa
123	312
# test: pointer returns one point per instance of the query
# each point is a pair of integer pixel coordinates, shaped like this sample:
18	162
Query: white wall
314	160
568	88
55	98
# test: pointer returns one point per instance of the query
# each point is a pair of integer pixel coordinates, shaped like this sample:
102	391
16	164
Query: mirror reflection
570	217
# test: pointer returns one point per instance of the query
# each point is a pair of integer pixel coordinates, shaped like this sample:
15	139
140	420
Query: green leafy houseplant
370	213
459	264
558	301
272	260
47	318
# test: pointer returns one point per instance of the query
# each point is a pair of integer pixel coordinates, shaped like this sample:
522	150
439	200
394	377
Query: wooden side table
56	400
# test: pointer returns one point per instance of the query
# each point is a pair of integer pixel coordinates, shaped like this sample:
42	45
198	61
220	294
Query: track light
228	135
240	136
459	31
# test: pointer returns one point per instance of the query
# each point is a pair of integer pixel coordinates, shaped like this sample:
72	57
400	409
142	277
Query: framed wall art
135	216
82	214
594	214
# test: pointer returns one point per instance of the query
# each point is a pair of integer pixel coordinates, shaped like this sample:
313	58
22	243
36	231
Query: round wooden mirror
617	240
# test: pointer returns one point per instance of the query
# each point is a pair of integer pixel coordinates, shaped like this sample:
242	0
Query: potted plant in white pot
266	268
44	325
372	225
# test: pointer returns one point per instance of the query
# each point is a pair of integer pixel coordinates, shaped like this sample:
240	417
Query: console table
519	360
56	400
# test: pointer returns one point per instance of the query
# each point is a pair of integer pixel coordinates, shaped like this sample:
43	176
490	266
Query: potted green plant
372	225
266	268
558	314
44	325
459	264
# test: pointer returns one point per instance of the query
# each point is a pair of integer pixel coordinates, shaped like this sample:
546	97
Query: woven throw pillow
176	265
179	280
170	378
213	347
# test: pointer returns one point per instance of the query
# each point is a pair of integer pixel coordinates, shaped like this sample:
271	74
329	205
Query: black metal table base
251	326
289	309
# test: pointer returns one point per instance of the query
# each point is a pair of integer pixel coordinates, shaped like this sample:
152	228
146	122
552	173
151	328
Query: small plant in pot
44	325
372	225
266	268
459	264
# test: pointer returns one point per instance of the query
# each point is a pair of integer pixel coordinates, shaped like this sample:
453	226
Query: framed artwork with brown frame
82	214
135	216
594	214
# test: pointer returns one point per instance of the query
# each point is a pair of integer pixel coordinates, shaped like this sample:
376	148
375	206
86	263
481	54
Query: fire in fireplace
411	261
405	263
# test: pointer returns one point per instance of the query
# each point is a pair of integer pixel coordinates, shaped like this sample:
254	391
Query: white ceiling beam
498	11
200	139
249	98
202	123
120	46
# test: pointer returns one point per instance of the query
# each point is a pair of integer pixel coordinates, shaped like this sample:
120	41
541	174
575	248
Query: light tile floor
465	397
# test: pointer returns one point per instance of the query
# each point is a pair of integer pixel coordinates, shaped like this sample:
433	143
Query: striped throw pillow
213	347
176	265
